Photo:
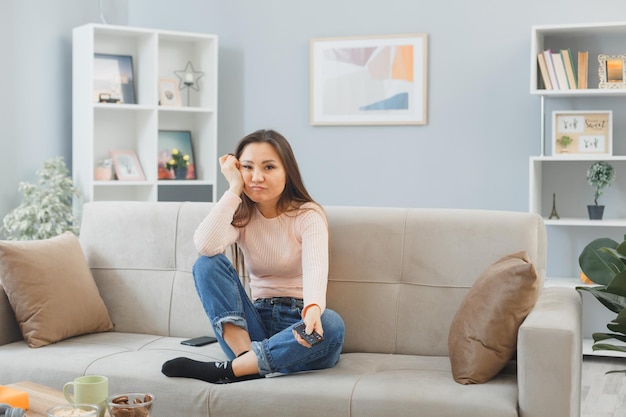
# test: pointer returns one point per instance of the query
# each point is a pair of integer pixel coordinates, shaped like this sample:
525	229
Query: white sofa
397	277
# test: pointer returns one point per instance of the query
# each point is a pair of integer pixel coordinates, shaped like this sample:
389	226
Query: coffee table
40	397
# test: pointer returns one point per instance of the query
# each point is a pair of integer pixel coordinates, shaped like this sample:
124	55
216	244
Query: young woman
283	235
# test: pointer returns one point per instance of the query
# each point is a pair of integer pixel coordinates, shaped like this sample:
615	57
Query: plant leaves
607	346
615	303
618	284
598	337
597	265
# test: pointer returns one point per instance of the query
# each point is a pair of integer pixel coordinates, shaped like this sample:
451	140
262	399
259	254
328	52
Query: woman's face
263	175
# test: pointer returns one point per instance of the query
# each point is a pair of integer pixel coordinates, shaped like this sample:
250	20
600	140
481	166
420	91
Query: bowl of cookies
133	404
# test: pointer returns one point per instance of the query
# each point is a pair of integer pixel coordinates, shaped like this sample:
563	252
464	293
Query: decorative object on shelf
46	208
179	163
603	262
168	93
168	160
104	170
113	78
582	133
612	71
564	141
600	176
189	79
127	167
370	80
554	214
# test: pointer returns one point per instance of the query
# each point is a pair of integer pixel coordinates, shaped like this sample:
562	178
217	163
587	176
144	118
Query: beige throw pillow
483	334
51	289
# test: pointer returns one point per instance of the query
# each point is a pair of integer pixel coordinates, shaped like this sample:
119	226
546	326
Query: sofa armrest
9	330
549	355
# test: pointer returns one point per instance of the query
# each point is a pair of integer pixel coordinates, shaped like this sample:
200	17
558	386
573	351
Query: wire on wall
101	14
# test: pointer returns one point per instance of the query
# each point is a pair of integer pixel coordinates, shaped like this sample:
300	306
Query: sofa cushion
51	290
483	334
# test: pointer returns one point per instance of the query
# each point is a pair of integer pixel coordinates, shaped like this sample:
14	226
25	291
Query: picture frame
369	80
174	139
612	71
169	95
113	79
582	133
127	166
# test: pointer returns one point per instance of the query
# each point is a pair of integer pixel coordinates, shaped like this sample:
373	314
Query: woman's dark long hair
294	194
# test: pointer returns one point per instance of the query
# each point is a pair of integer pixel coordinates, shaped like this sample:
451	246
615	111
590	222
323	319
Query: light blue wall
483	123
473	153
36	79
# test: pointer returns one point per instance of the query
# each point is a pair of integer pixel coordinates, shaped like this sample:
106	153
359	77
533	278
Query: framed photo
168	92
612	71
127	167
179	140
582	133
113	80
372	80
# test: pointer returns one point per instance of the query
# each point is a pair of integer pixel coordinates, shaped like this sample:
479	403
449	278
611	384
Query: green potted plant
603	261
46	208
600	176
564	141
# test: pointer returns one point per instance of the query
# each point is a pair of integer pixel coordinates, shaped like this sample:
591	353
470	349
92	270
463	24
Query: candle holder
189	79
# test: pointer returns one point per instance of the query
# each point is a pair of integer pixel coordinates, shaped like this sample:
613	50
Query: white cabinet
565	176
99	128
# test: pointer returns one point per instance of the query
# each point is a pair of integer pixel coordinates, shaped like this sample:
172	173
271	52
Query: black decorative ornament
189	78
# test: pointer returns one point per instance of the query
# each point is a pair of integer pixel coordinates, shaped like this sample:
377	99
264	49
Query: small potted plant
178	163
564	141
600	176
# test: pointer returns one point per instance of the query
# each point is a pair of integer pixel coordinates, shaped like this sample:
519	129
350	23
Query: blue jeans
269	325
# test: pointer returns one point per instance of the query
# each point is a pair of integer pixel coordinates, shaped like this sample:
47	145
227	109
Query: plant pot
595	212
180	173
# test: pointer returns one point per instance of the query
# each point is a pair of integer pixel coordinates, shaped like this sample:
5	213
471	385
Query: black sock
205	371
220	372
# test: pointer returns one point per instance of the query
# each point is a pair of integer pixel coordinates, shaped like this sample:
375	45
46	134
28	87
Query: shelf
183	182
586	222
591	92
568	282
560	182
99	128
589	158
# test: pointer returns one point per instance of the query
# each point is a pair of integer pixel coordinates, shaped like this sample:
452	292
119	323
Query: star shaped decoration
189	77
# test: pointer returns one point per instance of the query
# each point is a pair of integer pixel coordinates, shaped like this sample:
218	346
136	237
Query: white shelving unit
565	177
99	128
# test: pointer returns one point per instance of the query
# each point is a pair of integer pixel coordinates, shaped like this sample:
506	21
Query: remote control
313	338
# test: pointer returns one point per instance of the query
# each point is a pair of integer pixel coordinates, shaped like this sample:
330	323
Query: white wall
483	124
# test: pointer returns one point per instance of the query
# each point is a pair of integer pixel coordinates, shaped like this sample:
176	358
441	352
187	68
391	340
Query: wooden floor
602	394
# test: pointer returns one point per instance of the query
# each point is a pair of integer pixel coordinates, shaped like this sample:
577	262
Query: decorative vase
595	212
180	173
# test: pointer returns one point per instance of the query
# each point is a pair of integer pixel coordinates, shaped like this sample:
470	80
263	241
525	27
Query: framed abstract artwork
370	80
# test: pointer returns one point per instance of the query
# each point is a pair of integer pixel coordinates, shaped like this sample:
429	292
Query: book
582	69
559	69
543	70
566	54
548	58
